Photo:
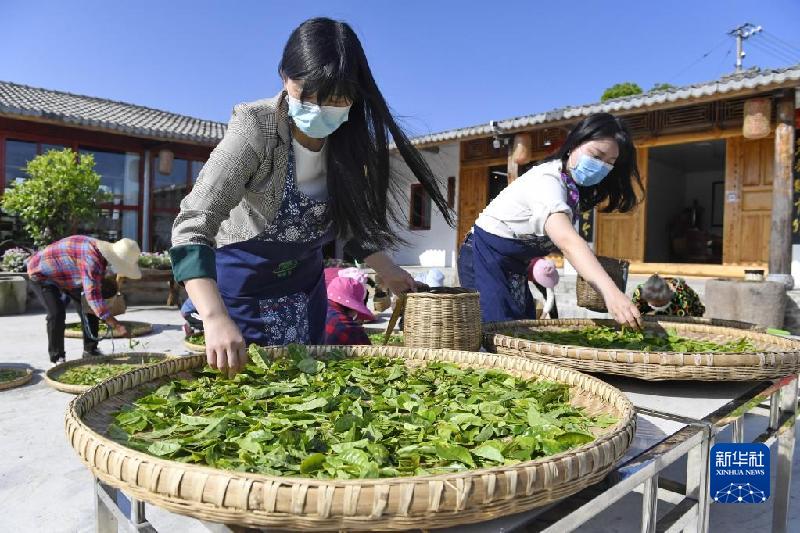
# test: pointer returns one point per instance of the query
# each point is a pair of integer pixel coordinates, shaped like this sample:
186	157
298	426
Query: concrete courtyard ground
44	487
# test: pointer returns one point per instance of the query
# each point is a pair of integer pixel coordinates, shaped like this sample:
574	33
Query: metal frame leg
737	430
697	481
774	410
650	505
105	520
786	441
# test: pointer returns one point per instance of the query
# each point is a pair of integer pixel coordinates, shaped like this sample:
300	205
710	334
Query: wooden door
473	188
748	200
621	235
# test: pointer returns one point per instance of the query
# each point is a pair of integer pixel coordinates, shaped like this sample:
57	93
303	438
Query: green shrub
61	193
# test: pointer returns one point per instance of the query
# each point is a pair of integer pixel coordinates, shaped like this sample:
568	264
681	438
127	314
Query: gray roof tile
750	79
120	117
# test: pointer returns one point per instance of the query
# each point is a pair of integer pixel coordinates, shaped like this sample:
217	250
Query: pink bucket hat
355	273
350	293
544	272
331	274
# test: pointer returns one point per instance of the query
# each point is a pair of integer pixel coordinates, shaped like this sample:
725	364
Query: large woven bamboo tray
776	356
18	381
136	329
368	504
133	358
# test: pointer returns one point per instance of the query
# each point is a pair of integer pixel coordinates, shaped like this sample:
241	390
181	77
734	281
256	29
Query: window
167	192
119	174
420	208
18	153
451	192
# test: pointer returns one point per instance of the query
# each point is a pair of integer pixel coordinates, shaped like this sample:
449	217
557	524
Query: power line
785	44
777	54
698	60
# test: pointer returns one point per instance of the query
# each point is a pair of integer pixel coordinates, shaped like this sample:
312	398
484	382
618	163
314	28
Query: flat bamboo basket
52	374
775	356
136	329
18	381
296	503
195	348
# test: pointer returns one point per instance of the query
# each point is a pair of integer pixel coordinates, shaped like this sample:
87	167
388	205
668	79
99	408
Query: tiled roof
22	101
747	80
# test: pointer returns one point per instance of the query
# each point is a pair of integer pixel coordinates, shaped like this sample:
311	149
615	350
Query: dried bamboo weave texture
136	329
133	358
443	320
16	382
775	356
370	504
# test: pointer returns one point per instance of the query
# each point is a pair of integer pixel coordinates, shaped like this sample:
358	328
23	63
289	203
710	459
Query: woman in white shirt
536	215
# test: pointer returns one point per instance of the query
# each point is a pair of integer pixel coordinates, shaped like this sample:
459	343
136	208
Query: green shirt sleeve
191	261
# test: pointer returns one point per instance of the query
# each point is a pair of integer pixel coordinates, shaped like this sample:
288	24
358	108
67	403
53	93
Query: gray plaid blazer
240	188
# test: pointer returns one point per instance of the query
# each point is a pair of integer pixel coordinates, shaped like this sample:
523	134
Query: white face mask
660	307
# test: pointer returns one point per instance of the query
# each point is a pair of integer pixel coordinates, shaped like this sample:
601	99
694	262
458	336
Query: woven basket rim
117	384
469	293
146	329
51	374
18	381
194	348
492	336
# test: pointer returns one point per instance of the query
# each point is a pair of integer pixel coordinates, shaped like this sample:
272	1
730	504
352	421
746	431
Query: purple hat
543	271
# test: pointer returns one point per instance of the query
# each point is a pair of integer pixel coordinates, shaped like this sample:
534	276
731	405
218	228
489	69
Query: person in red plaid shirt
346	311
74	265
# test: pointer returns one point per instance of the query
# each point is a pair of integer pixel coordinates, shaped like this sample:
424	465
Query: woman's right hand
225	347
622	309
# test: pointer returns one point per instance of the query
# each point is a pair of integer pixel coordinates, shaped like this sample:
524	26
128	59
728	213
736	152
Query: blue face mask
317	121
590	171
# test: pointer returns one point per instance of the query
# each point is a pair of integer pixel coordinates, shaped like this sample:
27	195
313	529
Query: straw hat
123	256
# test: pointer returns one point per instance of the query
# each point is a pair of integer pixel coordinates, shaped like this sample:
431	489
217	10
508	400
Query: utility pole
741	33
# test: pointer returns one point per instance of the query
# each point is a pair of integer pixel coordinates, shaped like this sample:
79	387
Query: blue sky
440	64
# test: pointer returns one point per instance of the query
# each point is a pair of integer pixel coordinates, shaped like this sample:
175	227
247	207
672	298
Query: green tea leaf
454	452
163	448
312	463
488	451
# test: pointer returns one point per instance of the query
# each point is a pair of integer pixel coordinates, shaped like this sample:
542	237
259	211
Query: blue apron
272	285
497	268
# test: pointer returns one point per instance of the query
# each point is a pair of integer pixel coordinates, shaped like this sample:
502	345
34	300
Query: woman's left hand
392	276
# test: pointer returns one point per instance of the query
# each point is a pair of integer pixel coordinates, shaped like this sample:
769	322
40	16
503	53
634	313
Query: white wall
435	247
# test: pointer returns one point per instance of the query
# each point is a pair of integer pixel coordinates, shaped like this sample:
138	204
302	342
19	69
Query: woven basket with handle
773	357
588	297
444	317
399	503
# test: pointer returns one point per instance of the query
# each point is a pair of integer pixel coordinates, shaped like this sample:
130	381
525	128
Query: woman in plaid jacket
291	173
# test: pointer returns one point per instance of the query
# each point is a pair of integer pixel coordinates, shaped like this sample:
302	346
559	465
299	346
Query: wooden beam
693	270
780	247
513	168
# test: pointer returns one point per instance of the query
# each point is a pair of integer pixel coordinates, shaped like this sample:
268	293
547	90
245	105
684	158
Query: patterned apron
273	285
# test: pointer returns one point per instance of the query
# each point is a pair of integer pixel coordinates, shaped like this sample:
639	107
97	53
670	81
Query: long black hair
327	57
618	186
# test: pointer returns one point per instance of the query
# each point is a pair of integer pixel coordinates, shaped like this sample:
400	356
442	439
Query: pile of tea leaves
10	374
198	339
94	374
343	417
377	339
631	339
